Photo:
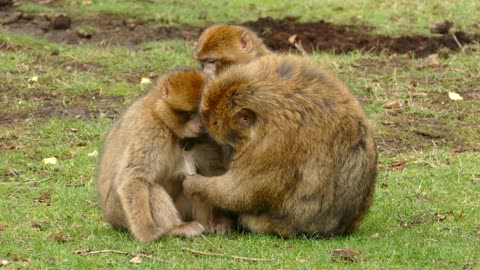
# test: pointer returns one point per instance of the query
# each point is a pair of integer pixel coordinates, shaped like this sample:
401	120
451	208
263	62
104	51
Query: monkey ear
245	117
165	89
246	42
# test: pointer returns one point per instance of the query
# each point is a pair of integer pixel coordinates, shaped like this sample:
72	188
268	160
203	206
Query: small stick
299	47
458	42
88	252
211	244
199	252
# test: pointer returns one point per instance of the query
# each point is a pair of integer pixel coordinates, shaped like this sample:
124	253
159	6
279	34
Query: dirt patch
277	34
324	36
54	104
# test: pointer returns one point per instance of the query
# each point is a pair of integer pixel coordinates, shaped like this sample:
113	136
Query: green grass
425	214
388	17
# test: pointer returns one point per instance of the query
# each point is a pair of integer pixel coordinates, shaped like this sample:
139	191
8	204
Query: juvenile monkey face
210	67
213	66
194	127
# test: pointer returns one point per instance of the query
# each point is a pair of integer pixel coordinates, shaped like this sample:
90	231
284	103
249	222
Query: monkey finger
188	229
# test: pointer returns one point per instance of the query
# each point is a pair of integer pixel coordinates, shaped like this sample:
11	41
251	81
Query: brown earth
277	34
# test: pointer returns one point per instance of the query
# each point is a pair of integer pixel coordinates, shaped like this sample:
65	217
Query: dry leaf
441	27
145	81
3	263
19	258
398	165
454	96
72	154
346	254
418	94
137	259
33	80
50	160
73	129
45	197
301	260
292	39
93	154
429	61
2	227
59	237
432	60
477	232
81	252
40	224
392	104
375	236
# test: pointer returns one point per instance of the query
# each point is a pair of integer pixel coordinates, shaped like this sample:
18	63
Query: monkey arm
225	191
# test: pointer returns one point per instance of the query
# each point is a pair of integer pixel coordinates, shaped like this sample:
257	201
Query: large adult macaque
223	45
146	155
304	155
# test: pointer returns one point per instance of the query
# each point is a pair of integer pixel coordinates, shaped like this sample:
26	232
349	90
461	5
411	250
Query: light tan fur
304	157
223	45
140	172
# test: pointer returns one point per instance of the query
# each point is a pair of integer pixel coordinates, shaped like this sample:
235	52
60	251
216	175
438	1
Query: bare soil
277	34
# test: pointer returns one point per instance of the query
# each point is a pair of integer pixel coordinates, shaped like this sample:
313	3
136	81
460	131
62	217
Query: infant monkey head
180	93
223	45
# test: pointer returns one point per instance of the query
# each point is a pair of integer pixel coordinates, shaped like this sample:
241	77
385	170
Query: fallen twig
299	47
211	244
458	42
205	253
93	252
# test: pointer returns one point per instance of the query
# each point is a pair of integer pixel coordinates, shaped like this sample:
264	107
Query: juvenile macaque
304	155
144	160
223	45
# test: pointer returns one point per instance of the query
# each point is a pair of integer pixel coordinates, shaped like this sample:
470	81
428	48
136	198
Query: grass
389	17
425	214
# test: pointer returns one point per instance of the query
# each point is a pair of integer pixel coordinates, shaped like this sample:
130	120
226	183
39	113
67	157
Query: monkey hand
193	185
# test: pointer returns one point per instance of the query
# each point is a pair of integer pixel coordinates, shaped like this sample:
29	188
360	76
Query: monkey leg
213	220
184	206
135	199
113	212
267	224
167	217
203	213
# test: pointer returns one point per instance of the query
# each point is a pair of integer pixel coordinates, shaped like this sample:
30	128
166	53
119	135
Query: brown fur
304	155
223	45
142	166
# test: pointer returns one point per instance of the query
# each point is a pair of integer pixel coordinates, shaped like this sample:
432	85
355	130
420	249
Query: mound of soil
280	35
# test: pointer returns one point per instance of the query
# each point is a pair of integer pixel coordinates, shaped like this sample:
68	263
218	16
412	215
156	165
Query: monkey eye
185	114
209	61
215	122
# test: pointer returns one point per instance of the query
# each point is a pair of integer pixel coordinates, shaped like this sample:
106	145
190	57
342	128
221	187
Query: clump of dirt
277	34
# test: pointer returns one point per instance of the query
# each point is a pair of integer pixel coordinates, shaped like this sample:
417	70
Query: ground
68	68
282	35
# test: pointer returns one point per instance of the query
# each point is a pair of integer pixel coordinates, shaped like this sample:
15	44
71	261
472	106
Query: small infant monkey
304	155
143	163
223	45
